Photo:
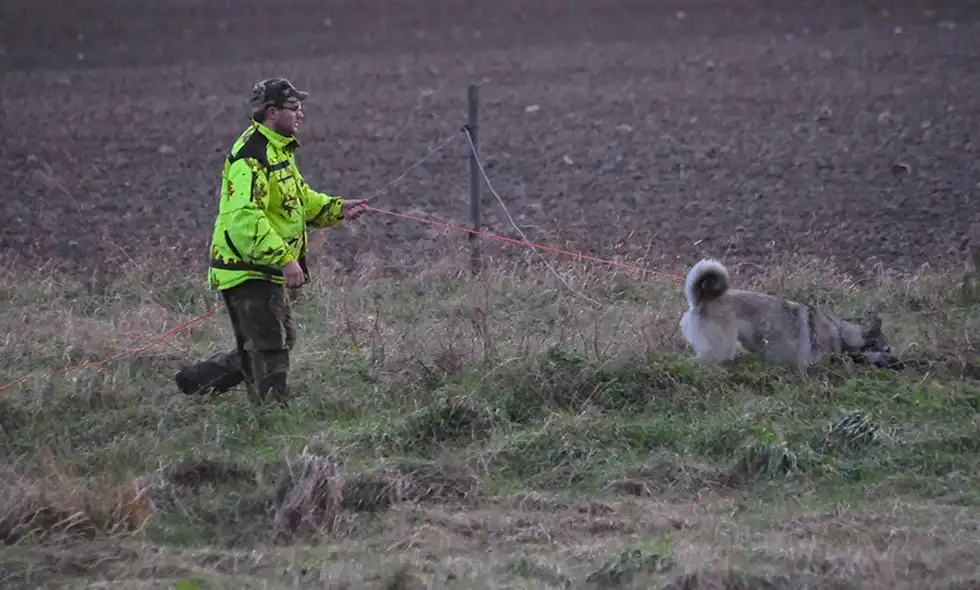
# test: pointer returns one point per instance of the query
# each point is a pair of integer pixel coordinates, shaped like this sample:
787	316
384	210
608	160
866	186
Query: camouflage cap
273	92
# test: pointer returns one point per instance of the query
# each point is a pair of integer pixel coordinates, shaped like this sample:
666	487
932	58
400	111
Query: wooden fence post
475	184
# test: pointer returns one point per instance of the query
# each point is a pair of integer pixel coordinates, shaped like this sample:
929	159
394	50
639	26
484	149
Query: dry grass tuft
402	578
668	476
194	473
758	460
50	565
534	500
739	580
62	505
624	568
315	491
309	500
408	481
852	431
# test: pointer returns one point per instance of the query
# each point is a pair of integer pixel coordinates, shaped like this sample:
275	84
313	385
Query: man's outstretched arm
321	210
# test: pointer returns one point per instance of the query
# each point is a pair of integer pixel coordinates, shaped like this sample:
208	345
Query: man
259	245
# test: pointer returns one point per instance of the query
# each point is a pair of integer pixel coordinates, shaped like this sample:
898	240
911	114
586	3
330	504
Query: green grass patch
435	418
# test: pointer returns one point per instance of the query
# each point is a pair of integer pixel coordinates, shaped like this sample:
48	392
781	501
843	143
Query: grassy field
500	433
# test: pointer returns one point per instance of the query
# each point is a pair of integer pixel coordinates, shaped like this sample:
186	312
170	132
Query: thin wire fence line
493	191
181	327
418	163
527	244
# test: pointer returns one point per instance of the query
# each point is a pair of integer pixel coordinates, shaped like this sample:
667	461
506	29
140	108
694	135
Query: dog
721	322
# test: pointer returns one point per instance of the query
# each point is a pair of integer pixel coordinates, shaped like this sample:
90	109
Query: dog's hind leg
724	346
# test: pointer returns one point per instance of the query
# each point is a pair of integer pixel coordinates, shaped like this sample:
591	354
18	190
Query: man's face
285	120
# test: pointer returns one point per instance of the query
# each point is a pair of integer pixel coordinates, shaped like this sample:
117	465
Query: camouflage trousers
264	337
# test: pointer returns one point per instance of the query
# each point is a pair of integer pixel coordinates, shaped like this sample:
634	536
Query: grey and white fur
722	322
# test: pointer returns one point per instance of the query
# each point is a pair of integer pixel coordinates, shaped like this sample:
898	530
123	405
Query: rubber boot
214	375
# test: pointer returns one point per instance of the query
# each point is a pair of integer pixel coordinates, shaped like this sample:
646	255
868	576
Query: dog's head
865	342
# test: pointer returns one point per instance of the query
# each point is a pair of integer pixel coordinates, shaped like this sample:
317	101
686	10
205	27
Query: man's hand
354	208
294	274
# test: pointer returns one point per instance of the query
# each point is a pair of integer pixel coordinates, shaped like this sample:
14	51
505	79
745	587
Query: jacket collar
279	141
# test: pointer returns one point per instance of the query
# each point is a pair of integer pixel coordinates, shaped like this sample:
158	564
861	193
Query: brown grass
413	482
34	509
310	499
313	490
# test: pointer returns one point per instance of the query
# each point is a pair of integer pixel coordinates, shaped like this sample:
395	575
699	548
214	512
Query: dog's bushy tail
707	280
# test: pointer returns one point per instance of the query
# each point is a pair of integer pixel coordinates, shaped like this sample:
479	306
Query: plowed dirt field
661	130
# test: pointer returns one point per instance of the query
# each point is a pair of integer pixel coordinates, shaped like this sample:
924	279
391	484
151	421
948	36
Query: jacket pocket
231	246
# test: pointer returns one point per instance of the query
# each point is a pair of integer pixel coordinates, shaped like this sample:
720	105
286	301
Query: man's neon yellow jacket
264	211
